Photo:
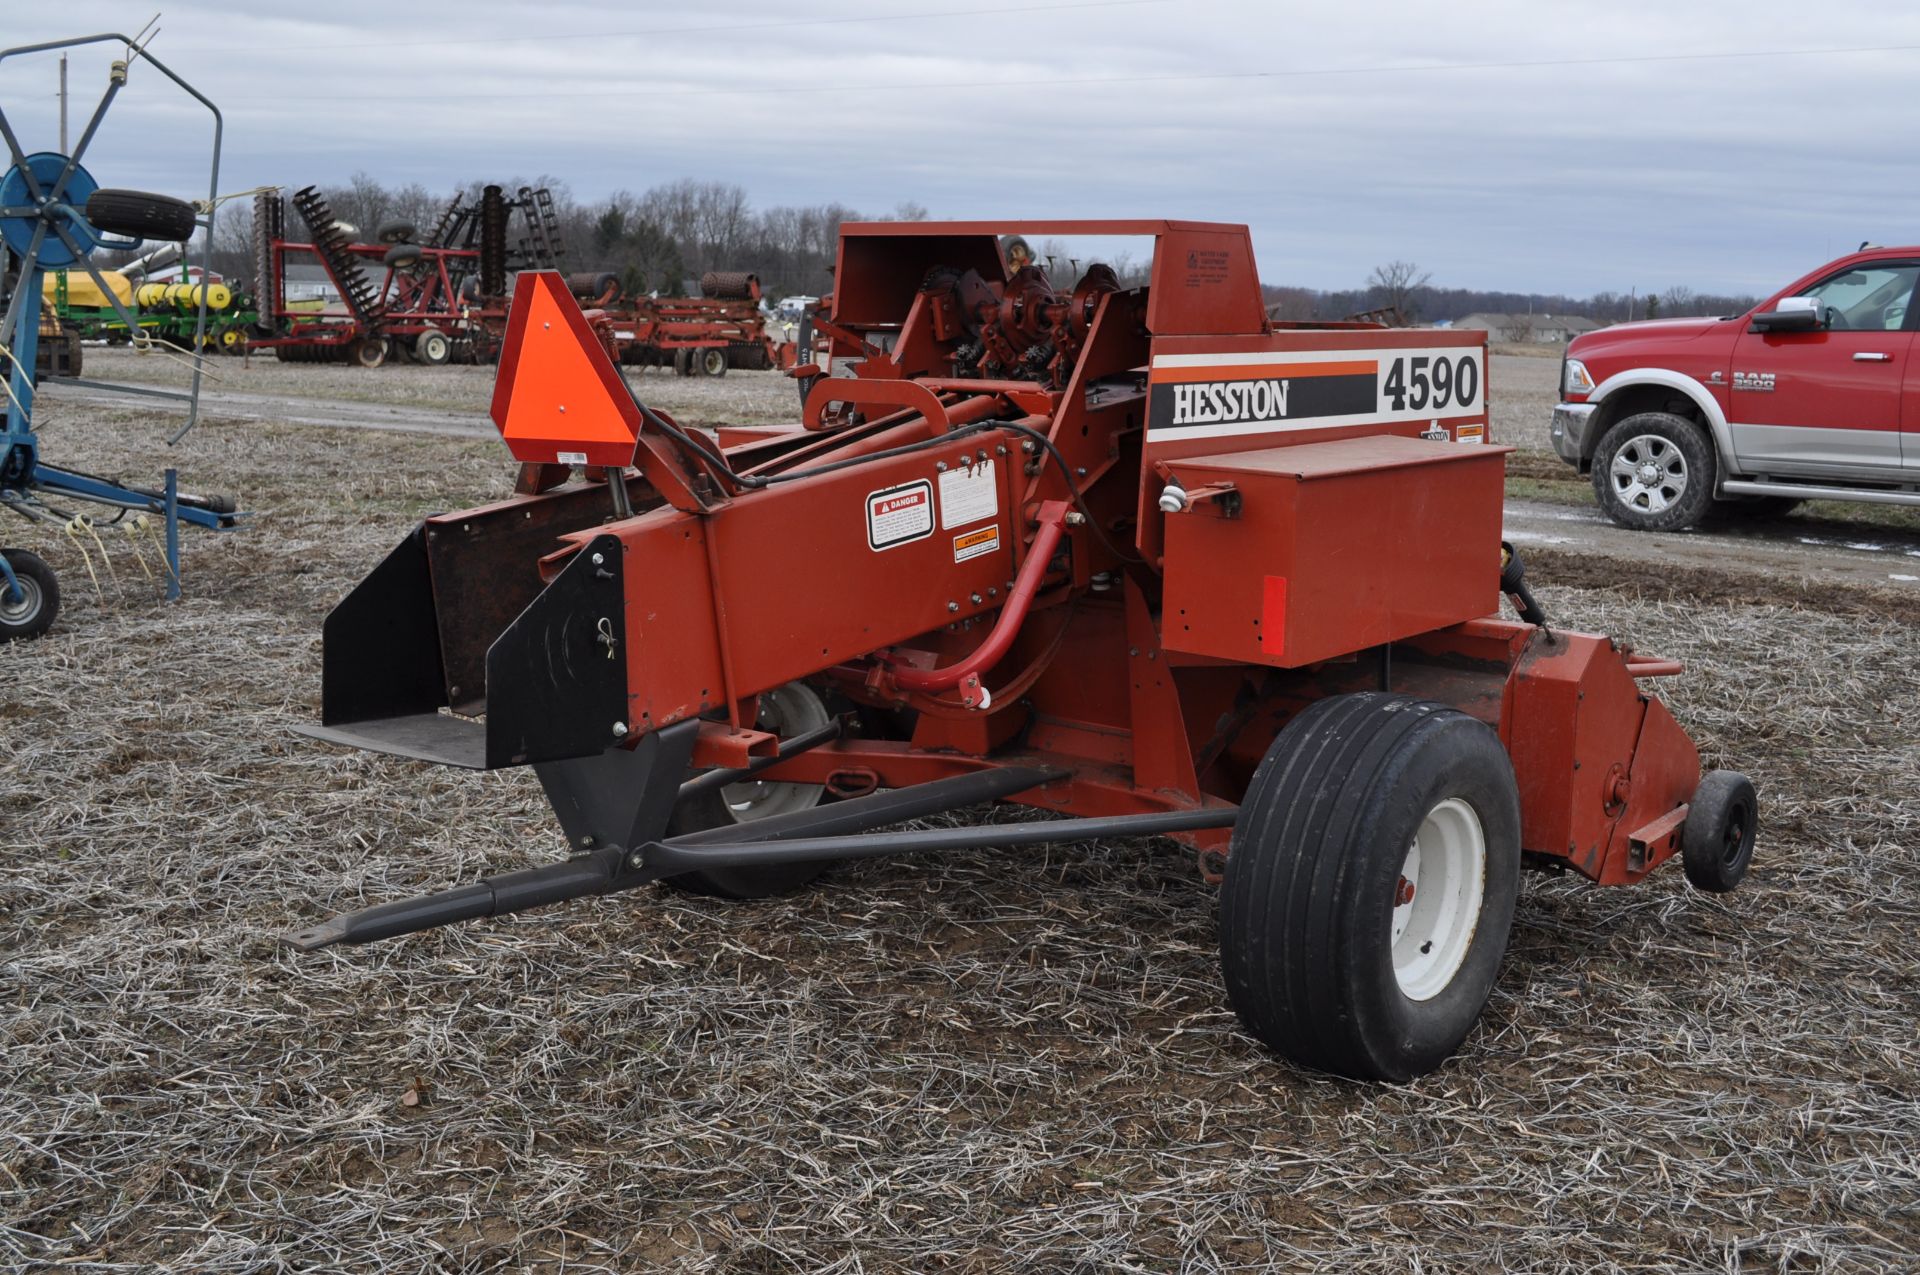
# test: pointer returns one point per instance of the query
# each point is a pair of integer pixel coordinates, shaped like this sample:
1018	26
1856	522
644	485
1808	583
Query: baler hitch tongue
635	856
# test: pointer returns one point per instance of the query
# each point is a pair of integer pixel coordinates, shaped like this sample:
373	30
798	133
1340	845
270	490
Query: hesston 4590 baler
1137	556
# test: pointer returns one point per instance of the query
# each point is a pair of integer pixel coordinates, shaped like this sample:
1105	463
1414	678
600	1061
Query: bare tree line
1404	287
659	240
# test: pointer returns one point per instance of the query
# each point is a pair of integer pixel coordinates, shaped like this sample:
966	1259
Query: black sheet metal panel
486	570
557	677
623	796
380	646
435	737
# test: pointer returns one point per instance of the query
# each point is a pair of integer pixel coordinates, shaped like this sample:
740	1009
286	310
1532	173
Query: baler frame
1212	514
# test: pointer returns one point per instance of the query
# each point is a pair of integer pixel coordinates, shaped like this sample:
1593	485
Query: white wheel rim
791	710
1649	473
20	609
1437	901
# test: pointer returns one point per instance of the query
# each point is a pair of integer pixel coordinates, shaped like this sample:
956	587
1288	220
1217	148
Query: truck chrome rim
791	710
20	608
1437	900
1649	473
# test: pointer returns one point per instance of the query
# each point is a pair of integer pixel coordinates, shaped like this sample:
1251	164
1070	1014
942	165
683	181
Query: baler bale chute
1132	556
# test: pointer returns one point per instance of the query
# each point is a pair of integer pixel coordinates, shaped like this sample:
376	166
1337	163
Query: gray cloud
1611	147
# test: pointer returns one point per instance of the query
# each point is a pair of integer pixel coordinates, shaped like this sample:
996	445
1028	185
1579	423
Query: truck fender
1701	396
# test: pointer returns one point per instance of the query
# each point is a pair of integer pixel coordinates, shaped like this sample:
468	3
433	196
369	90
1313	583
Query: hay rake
54	216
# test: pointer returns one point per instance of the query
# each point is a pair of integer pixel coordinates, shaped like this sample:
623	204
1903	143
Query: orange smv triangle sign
558	397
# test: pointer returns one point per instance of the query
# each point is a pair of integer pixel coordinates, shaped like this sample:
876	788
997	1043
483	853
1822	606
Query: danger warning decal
1206	395
899	515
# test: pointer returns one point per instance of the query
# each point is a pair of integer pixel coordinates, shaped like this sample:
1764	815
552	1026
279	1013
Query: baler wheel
713	361
32	611
1371	885
1716	842
793	709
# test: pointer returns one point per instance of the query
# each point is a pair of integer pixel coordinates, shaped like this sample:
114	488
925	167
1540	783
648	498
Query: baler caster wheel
1370	885
791	710
713	362
31	611
1716	842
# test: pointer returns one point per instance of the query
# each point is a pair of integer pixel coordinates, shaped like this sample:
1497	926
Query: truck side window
1871	298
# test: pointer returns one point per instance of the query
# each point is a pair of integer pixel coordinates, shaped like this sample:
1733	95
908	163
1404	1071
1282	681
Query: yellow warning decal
975	543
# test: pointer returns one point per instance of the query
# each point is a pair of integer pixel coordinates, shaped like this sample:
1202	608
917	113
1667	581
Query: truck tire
139	215
1654	471
1371	885
1716	841
33	612
791	710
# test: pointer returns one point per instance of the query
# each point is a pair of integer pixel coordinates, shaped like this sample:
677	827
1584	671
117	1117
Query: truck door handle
1865	356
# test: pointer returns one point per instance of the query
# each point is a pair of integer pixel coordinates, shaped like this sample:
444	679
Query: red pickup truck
1814	393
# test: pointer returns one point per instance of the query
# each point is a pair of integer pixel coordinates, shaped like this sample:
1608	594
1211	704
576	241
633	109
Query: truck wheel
138	215
1370	885
31	611
1654	472
713	362
791	710
432	348
1716	842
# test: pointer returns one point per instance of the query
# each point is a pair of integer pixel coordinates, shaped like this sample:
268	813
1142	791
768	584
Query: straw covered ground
1002	1062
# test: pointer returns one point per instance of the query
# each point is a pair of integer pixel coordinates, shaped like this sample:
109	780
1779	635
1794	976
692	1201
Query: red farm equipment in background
435	300
721	328
1130	555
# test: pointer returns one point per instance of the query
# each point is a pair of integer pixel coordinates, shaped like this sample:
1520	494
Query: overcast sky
1571	147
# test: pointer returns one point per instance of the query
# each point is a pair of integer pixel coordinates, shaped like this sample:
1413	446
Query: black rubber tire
394	232
1306	908
682	363
713	361
34	614
402	255
432	348
1694	447
709	809
1716	842
139	215
76	355
369	351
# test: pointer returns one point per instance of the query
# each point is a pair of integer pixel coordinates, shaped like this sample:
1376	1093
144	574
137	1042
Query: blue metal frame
41	224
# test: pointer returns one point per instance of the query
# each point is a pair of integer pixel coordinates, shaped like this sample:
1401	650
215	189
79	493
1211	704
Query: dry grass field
1016	1061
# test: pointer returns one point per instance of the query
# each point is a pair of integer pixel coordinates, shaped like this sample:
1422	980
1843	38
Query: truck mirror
1793	314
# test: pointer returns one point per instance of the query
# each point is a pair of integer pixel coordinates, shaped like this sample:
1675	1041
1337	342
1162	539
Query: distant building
1527	329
